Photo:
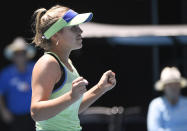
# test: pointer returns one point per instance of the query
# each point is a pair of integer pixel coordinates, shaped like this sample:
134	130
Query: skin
20	60
172	92
63	42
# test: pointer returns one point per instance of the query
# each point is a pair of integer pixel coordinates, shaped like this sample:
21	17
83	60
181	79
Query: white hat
19	44
170	75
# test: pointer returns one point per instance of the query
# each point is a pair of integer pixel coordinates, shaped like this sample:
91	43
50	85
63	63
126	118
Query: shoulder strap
62	79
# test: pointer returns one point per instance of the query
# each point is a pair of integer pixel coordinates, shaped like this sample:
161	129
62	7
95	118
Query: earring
57	43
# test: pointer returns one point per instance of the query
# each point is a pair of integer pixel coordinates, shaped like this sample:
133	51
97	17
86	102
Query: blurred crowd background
136	60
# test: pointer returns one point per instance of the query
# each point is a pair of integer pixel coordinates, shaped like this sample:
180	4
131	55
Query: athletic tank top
68	119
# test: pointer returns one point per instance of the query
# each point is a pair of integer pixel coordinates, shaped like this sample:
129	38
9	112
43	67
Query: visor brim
80	18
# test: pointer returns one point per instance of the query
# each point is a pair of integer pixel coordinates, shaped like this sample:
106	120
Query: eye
75	28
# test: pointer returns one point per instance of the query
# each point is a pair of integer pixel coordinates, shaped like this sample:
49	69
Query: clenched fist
78	87
107	81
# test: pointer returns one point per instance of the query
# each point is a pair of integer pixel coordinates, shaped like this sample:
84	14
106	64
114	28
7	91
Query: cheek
171	90
20	59
68	38
177	90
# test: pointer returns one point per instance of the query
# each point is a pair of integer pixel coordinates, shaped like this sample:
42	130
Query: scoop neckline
63	63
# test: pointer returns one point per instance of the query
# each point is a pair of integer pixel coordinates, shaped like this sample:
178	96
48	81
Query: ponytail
38	33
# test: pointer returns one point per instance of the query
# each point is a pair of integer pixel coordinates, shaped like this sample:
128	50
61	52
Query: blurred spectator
168	112
15	86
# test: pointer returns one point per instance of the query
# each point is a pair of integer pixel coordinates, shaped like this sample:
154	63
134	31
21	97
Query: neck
63	54
21	67
173	100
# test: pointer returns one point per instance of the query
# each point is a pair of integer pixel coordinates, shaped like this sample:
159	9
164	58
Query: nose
80	30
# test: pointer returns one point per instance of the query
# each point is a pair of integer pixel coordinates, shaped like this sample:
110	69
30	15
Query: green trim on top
55	28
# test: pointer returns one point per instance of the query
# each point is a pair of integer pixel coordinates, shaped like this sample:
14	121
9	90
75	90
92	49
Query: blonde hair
43	20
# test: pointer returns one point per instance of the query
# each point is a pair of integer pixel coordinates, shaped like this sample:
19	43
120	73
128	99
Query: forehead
176	84
19	52
72	28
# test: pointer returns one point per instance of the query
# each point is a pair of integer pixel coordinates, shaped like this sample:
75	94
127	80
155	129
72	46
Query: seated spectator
168	112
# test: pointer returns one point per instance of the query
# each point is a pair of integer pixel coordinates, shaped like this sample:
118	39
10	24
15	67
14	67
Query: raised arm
106	83
45	74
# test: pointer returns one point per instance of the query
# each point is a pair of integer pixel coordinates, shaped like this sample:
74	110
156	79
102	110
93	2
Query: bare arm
2	104
6	115
45	74
107	82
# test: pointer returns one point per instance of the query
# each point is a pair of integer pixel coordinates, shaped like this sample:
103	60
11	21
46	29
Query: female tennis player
58	92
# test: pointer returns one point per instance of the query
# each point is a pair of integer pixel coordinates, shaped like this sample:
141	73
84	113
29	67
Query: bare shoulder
47	68
45	75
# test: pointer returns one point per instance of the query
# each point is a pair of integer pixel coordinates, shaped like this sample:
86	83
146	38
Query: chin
80	44
78	47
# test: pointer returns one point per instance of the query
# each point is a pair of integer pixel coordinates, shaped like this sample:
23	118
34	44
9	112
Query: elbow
82	109
38	115
34	115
